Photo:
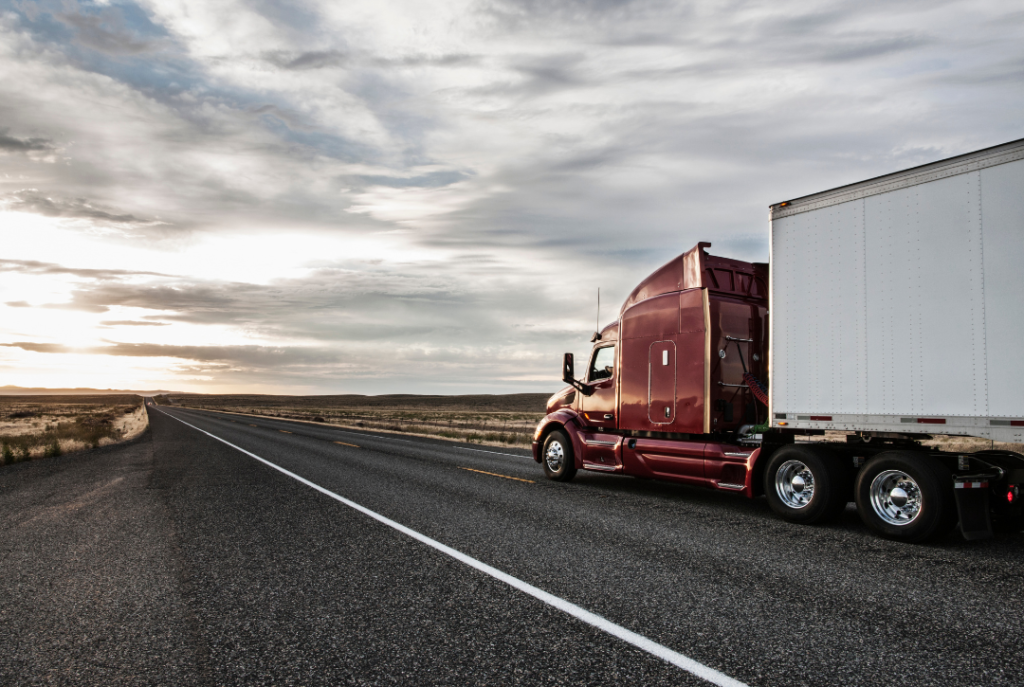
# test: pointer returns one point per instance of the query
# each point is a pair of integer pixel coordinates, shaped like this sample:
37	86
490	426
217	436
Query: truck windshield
602	364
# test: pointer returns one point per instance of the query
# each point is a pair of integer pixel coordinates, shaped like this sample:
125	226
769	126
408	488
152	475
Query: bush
7	455
53	449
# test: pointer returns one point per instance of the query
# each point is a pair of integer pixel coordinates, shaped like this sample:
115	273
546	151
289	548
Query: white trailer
897	303
895	311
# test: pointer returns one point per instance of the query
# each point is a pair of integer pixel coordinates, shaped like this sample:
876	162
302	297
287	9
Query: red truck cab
664	394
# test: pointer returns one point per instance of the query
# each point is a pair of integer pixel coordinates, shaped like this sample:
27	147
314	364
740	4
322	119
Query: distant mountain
10	390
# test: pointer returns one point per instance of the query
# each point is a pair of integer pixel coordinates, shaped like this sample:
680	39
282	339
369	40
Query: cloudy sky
379	197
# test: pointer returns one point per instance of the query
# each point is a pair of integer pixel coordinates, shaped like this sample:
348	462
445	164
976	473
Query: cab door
601	449
599	407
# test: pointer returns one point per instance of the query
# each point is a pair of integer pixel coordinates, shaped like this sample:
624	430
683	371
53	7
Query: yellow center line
284	430
342	443
494	474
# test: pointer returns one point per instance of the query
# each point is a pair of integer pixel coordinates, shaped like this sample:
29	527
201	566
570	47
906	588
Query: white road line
663	652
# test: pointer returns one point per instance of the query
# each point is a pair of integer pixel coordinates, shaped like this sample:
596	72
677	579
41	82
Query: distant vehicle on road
892	310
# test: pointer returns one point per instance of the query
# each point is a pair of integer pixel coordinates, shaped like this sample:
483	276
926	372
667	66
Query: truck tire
559	463
906	495
806	484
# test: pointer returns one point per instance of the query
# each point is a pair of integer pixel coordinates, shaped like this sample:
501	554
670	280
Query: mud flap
972	504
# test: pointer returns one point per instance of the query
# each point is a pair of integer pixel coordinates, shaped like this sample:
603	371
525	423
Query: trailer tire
806	485
557	457
907	496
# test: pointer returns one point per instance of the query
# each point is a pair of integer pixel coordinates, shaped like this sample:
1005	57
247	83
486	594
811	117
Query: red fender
565	419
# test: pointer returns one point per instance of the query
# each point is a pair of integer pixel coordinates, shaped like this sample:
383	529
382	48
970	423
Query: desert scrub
44	426
504	420
53	450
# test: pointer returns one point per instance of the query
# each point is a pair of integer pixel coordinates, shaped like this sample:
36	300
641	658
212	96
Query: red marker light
1011	494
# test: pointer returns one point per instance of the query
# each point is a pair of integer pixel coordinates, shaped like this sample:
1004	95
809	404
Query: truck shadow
711	505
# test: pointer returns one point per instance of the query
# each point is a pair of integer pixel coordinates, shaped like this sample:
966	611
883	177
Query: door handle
609	416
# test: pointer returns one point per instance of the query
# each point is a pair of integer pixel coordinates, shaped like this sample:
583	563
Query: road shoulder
93	592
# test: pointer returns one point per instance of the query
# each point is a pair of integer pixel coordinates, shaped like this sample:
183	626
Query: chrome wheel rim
554	456
794	483
896	497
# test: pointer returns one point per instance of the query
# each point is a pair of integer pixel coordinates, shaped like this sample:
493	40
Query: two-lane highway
282	579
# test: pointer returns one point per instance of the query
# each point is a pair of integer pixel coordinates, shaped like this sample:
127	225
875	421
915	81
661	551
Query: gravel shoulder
92	591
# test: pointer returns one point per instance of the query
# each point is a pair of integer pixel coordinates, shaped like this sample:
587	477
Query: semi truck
889	311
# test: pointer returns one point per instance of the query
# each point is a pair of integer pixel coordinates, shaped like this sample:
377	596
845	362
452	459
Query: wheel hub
896	497
554	456
794	484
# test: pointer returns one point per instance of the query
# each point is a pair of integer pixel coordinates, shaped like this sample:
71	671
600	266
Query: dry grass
38	426
497	420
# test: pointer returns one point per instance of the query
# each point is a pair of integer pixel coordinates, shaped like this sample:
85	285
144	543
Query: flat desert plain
502	420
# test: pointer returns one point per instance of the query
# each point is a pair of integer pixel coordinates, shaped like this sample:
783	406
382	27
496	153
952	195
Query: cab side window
602	364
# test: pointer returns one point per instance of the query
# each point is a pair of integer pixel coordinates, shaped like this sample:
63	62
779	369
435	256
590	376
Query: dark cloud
852	48
259	356
82	307
430	180
38	347
443	60
297	20
49	268
542	76
313	59
320	59
31	200
106	32
519	14
13	144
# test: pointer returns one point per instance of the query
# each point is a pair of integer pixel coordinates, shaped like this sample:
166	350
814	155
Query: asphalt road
181	560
